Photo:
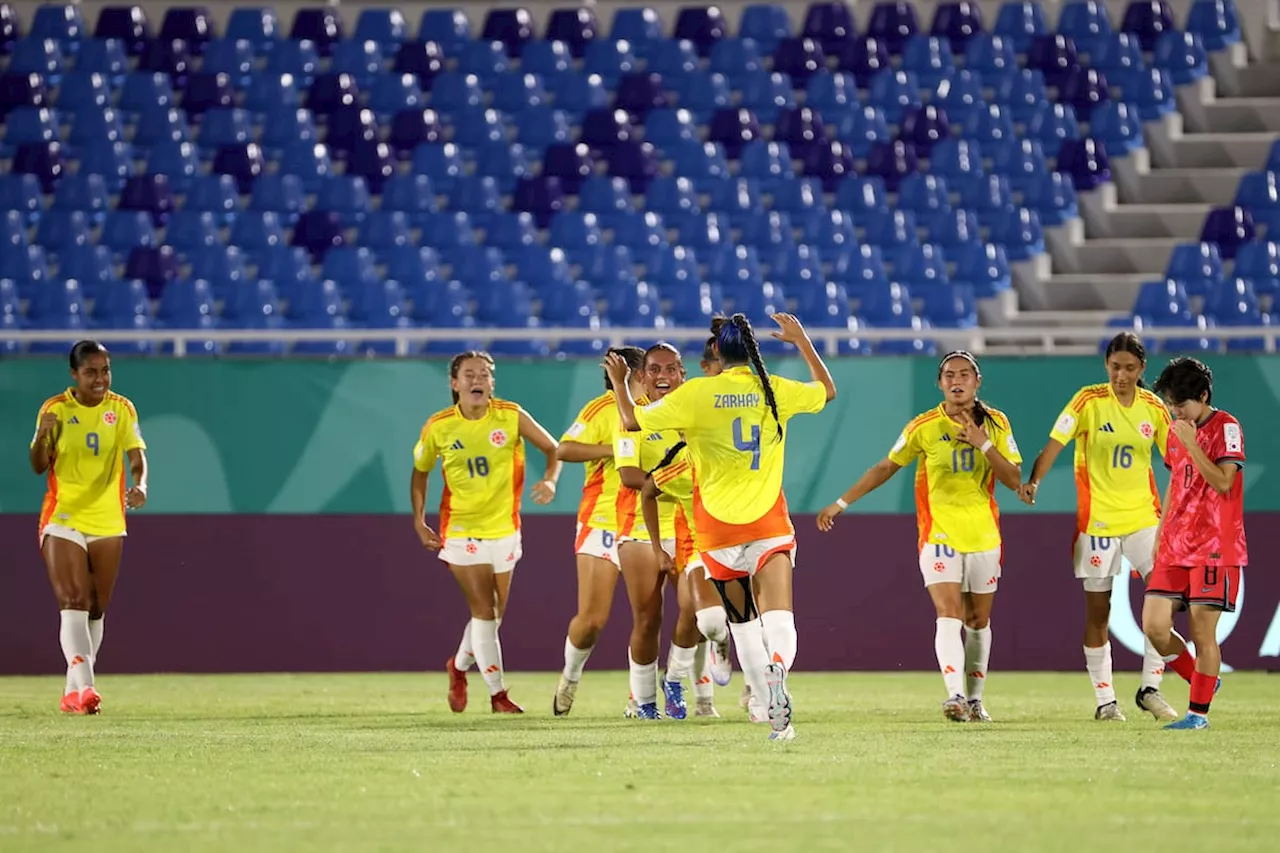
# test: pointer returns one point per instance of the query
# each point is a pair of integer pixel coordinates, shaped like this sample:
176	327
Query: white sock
713	623
977	656
1098	662
575	659
644	681
465	656
753	655
484	639
680	662
77	648
703	686
780	636
949	648
1152	666
95	636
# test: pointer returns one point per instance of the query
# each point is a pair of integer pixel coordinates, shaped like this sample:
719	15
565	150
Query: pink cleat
90	701
71	703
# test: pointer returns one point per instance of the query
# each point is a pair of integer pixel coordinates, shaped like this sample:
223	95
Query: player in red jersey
1201	545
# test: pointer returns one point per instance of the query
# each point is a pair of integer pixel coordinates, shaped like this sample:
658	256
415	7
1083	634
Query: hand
789	329
1185	431
48	423
136	498
827	518
544	492
972	433
665	563
617	368
1027	493
429	538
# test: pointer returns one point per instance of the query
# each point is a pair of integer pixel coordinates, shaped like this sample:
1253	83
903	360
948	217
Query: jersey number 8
478	467
752	446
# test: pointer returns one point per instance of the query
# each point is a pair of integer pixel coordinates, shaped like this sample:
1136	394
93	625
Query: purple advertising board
276	593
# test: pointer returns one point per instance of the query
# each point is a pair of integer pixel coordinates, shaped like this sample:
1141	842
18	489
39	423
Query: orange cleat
71	703
90	701
457	687
502	704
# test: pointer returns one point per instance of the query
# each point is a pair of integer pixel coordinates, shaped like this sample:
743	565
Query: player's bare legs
712	621
977	650
68	567
948	645
479	585
644	580
104	568
1204	681
772	586
766	678
597	580
686	643
465	657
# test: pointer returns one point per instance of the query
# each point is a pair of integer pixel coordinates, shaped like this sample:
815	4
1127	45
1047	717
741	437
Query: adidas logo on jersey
74	420
945	437
1107	427
655	436
457	445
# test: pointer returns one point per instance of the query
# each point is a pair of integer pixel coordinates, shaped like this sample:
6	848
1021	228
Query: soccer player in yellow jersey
85	437
590	440
1115	427
735	424
961	448
634	455
479	442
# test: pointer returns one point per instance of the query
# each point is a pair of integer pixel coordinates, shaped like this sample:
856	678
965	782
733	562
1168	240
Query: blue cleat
676	707
649	711
1191	721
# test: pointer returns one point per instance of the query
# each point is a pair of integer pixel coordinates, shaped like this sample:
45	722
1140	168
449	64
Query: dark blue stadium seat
924	127
513	27
957	23
1229	228
1258	193
1150	19
322	26
1086	161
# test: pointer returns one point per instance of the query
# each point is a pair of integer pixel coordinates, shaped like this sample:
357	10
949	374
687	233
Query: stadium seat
449	28
894	92
233	57
1183	55
1216	22
1020	232
1149	19
105	57
1160	300
1020	23
1119	127
1086	161
991	56
299	59
1119	55
81	191
1084	89
864	58
832	162
1228	228
320	25
860	130
1259	263
766	93
1153	91
924	127
1086	23
1052	195
957	23
23	194
1055	56
1197	266
892	162
929	58
156	266
217	194
985	266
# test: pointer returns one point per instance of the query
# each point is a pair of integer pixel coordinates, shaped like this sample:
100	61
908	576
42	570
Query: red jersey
1202	527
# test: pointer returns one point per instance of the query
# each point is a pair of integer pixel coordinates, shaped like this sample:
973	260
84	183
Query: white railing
1038	339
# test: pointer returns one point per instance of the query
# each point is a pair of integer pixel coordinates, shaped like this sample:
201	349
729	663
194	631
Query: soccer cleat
779	701
706	708
1191	721
562	704
1110	712
457	687
676	707
956	709
977	713
71	702
501	703
721	667
90	701
632	710
648	711
1151	700
789	733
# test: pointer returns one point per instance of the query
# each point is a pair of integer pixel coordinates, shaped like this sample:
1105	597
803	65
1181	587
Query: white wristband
842	503
986	446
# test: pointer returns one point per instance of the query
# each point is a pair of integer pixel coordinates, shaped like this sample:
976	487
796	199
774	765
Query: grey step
1215	150
1176	186
1259	80
1148	256
1096	292
1183	221
1243	115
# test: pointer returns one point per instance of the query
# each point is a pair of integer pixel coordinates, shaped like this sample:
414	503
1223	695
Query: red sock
1201	692
1184	665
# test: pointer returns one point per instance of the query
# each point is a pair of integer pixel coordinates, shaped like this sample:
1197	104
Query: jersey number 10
962	460
752	446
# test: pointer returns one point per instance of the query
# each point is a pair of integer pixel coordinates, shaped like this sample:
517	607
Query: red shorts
1212	586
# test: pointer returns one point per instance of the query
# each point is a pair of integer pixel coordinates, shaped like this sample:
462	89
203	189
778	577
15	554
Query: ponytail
669	458
749	343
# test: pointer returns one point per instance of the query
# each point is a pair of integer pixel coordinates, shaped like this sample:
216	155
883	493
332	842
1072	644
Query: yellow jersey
644	451
676	483
1116	492
598	423
483	466
955	484
735	451
86	480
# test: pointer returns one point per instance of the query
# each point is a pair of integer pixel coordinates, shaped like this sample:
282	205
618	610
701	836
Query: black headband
965	354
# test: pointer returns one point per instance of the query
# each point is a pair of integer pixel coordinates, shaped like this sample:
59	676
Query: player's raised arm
544	491
41	453
620	375
790	331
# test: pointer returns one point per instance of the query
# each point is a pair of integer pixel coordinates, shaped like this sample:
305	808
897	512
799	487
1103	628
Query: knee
649	622
977	623
75	599
592	623
97	612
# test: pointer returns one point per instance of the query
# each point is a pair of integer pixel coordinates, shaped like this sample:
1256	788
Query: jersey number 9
1122	457
91	442
478	467
752	446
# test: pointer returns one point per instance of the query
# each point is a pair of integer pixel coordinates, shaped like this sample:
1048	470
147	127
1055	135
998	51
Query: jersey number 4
752	446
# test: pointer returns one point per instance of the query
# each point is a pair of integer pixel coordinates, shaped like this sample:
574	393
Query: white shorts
978	571
594	542
502	554
748	558
60	531
1097	558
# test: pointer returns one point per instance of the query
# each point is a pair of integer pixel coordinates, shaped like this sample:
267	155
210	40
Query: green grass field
377	762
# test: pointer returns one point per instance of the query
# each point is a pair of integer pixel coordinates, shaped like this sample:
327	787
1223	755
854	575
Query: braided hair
736	341
668	458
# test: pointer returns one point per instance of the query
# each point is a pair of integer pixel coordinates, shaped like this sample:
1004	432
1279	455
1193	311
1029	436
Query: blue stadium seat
1234	303
105	57
1020	232
1153	91
568	304
233	57
216	194
61	23
732	195
34	55
222	266
1229	228
894	92
383	229
191	229
84	192
60	306
386	27
1197	266
1259	263
831	231
417	268
83	89
88	264
861	269
1020	23
300	59
642	26
279	193
286	268
1258	193
703	232
254	305
952	229
1216	22
257	25
1159	301
448	28
1053	196
798	197
1022	161
1023	94
1086	23
950	306
988	196
1119	126
766	24
1119	55
994	57
929	58
125	229
766	94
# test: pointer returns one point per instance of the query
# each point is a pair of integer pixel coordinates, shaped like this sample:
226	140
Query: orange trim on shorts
781	549
719	571
714	533
584	531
